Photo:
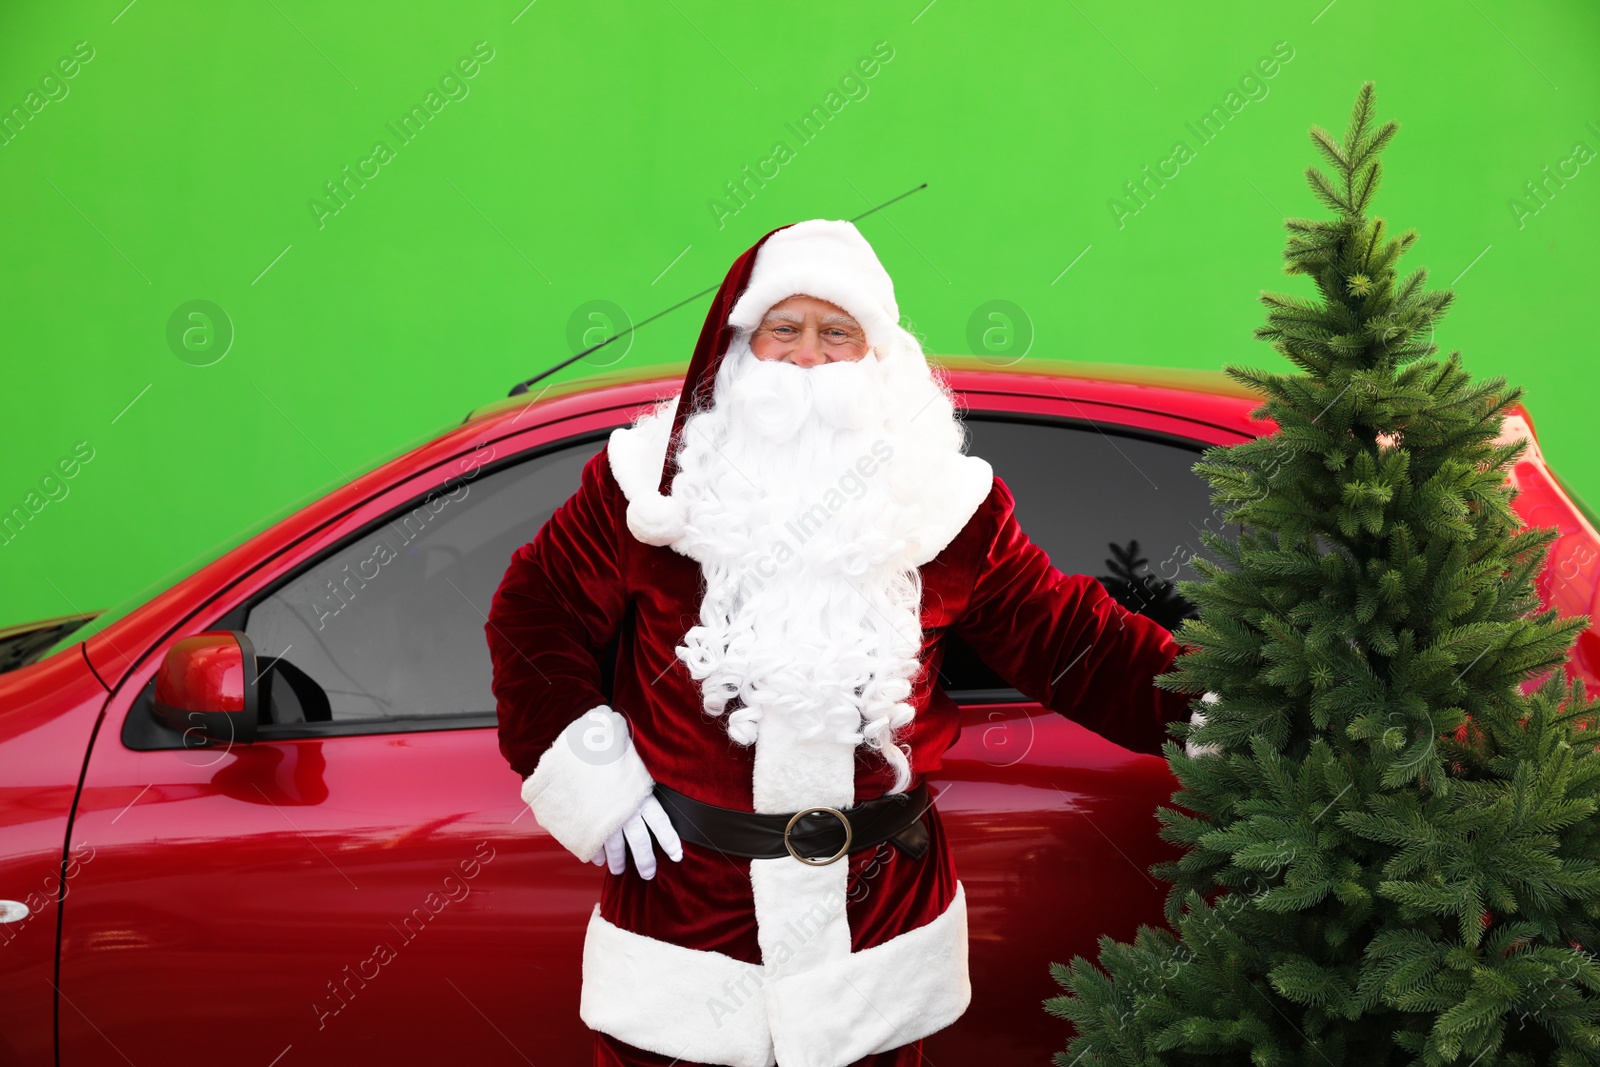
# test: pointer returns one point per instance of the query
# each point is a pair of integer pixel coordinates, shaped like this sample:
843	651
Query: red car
349	873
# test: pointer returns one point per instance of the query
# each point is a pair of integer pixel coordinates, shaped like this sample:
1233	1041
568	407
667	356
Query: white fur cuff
1197	719
588	782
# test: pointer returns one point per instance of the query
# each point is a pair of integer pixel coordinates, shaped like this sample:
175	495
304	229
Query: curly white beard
806	492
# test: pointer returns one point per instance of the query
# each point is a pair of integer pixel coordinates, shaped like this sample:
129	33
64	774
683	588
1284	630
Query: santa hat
829	260
824	258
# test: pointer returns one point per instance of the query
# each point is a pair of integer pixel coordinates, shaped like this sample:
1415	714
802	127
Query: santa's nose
808	353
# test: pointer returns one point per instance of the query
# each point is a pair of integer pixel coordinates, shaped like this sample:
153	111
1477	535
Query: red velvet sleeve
1064	642
560	602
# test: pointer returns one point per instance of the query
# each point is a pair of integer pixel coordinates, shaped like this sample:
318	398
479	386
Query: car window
1126	509
390	625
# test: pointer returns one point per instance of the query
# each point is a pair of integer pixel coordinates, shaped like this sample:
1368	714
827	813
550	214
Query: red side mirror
207	686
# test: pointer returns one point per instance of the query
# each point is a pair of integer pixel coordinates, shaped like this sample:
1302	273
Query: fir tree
1390	853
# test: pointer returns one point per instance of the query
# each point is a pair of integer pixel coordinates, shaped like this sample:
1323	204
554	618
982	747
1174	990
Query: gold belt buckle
849	833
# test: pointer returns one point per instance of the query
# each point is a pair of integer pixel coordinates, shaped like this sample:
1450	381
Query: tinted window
1127	510
391	624
1087	497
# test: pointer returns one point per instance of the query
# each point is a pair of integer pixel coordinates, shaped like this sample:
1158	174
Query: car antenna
522	387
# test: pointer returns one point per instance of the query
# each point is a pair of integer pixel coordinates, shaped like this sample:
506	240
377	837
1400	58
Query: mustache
776	398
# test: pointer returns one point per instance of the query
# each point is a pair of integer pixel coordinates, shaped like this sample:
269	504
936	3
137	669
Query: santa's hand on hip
635	835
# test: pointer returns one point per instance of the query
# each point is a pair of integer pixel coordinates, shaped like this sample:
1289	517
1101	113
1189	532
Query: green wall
586	158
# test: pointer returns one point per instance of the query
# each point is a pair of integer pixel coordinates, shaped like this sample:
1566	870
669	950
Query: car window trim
1081	422
1233	434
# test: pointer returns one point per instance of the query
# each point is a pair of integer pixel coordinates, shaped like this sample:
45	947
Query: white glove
1198	718
636	832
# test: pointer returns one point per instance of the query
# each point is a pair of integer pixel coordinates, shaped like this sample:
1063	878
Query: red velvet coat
1058	638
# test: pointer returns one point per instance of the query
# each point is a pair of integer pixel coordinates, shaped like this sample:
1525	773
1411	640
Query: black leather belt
816	836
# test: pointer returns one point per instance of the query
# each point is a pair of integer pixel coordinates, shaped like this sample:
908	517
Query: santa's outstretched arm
1063	641
561	601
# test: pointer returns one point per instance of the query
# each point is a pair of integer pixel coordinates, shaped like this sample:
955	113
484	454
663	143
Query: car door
1052	827
366	882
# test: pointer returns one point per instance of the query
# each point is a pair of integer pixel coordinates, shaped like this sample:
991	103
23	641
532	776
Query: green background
582	165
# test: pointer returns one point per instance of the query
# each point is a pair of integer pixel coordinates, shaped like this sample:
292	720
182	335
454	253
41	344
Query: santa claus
777	553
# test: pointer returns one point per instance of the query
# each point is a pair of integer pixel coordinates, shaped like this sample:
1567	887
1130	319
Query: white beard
807	495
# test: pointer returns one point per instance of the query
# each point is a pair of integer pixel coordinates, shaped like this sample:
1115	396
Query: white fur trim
800	909
827	259
588	782
1197	719
951	503
637	454
710	1008
876	999
702	1007
790	773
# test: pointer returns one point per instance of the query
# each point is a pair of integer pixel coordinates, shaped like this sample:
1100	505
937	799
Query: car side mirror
208	685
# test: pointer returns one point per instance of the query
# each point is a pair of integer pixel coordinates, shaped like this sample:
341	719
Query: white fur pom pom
656	519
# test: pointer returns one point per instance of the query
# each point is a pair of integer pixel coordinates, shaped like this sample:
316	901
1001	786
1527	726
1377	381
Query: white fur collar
637	453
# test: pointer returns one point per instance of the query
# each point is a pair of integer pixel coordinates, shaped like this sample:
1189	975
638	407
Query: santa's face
806	331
